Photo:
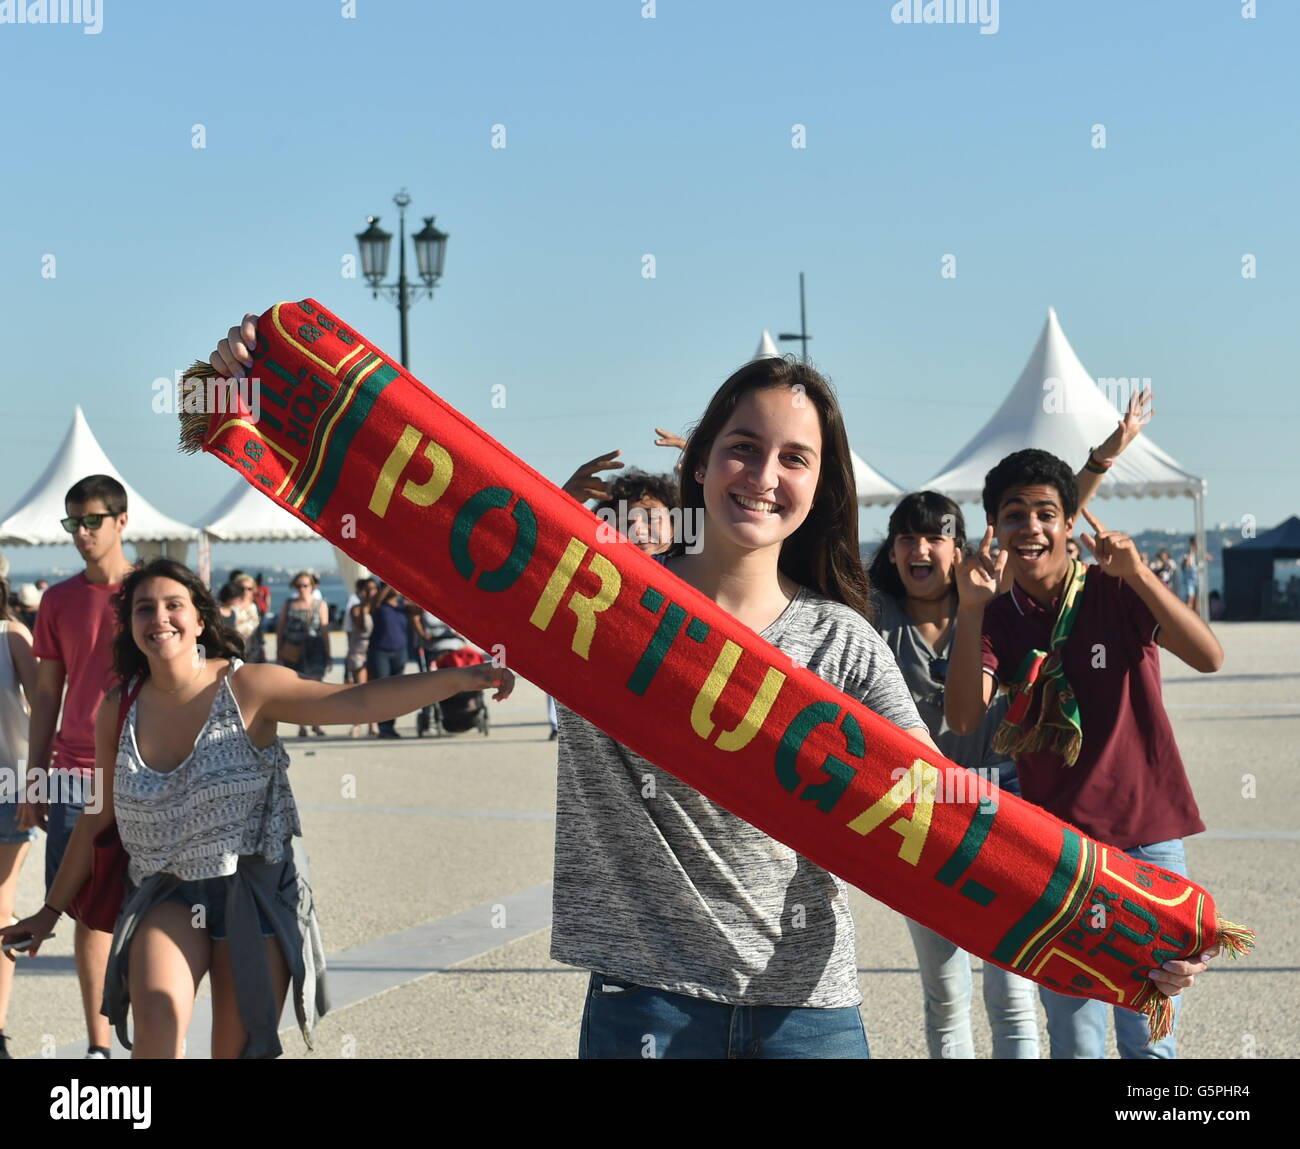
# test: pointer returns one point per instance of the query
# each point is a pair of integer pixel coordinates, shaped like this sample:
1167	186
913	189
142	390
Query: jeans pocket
608	988
1169	855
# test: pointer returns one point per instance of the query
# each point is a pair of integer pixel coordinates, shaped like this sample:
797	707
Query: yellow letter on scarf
920	781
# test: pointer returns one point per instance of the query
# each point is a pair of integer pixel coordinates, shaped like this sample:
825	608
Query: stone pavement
431	860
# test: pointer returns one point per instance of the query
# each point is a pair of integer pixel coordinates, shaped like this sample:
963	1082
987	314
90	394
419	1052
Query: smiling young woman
705	936
195	776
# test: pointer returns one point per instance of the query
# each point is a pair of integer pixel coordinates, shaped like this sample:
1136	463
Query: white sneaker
95	1055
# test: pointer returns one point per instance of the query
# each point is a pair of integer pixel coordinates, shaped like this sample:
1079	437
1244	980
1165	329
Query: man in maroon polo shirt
1126	786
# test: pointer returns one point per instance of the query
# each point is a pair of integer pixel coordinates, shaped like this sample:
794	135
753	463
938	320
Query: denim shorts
10	834
210	893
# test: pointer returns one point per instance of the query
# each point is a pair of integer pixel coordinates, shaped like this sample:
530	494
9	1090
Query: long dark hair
920	513
823	553
218	640
6	611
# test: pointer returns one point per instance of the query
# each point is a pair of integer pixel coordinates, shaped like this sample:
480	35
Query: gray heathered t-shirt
657	885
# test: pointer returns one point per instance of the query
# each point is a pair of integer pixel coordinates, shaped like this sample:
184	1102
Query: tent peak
767	348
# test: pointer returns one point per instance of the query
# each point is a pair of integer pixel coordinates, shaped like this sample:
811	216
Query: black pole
803	320
403	302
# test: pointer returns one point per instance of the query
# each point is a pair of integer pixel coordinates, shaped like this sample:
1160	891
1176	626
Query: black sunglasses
939	669
90	522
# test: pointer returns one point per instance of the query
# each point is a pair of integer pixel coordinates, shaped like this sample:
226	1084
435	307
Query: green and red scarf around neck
353	445
1055	726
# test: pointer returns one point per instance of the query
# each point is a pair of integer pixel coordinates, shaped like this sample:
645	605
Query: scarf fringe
1159	1009
1236	940
194	424
1063	741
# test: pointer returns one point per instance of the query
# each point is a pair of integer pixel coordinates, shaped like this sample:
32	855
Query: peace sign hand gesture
1116	553
979	575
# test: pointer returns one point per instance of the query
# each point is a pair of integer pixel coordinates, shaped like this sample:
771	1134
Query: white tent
766	348
34	519
874	490
1056	406
246	515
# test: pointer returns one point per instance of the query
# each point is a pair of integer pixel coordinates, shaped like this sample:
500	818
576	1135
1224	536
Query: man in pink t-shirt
75	629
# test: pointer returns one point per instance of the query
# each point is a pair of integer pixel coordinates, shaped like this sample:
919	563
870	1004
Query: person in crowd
1094	744
29	604
389	642
248	618
227	596
262	596
195	777
18	675
913	575
302	637
73	641
1192	574
361	625
1164	569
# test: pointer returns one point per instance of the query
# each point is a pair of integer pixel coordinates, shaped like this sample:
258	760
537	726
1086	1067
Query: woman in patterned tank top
195	778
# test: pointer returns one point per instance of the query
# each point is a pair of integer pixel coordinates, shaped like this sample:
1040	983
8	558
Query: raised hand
234	353
1128	428
585	483
668	439
1117	554
979	575
486	675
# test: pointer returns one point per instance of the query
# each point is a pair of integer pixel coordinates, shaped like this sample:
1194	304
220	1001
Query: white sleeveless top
222	802
13	718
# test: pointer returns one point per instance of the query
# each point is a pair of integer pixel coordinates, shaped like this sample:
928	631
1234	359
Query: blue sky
669	136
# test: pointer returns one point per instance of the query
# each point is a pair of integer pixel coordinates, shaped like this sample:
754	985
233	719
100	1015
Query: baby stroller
468	709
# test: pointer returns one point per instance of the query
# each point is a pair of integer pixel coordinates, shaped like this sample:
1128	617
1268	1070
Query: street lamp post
803	336
430	254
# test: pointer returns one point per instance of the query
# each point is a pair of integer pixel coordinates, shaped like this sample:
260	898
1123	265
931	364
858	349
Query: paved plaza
431	861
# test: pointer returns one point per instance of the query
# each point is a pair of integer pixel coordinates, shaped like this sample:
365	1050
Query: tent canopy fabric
766	348
1248	584
874	490
1283	540
34	519
245	515
1056	406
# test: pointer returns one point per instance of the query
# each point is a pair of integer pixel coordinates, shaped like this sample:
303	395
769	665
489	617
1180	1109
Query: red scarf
358	449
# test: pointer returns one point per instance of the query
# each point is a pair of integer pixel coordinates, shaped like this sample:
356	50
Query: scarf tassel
1236	940
1159	1009
194	423
1066	742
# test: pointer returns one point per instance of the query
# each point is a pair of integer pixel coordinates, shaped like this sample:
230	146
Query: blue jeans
385	664
946	983
1077	1026
622	1020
